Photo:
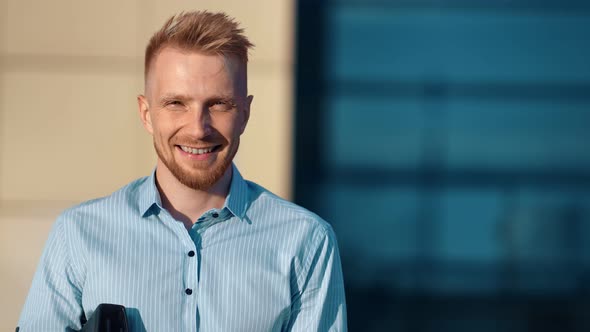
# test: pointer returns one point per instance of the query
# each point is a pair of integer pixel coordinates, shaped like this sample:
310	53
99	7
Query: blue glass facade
447	143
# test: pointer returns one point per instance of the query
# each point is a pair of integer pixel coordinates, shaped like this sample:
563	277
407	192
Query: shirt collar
149	195
236	201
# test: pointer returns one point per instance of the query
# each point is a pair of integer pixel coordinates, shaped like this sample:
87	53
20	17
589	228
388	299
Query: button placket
191	279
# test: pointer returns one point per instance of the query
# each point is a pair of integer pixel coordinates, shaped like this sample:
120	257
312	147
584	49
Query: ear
144	113
246	113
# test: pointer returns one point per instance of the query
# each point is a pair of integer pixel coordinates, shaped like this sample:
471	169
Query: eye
173	103
221	105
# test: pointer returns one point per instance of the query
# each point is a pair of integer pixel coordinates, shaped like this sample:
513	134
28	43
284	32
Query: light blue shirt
258	264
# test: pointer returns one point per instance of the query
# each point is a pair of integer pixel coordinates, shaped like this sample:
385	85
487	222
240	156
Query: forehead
174	61
175	67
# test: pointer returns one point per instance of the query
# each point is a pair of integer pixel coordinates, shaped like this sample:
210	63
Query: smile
198	151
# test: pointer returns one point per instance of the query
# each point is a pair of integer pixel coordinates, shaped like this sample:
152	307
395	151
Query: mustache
188	140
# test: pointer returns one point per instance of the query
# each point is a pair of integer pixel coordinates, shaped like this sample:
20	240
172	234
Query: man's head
196	104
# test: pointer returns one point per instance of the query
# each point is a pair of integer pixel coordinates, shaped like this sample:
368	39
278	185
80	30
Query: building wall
69	130
452	161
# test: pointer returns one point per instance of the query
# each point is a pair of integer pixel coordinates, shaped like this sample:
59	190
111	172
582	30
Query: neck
187	204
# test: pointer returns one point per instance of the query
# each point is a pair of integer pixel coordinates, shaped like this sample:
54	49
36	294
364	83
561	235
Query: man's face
196	107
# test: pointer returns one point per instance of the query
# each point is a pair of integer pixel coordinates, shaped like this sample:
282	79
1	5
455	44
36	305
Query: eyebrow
174	96
167	97
224	98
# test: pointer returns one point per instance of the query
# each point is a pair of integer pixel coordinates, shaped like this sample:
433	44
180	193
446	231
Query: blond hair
201	31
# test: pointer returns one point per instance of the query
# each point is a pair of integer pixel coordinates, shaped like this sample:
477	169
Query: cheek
157	132
235	131
226	125
239	125
162	127
241	128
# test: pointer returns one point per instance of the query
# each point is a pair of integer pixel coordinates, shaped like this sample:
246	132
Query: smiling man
194	246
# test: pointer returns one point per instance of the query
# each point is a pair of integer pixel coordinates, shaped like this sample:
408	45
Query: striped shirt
259	263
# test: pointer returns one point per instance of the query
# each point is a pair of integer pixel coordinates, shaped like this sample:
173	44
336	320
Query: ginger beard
198	178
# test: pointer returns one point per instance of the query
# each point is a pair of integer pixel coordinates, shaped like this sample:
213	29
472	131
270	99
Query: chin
201	179
199	176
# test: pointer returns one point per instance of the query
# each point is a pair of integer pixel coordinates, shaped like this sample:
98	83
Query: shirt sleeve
54	299
319	304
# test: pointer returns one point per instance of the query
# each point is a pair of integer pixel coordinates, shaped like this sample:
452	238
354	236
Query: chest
220	282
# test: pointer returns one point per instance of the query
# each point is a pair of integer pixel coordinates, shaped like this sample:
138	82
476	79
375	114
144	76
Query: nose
200	123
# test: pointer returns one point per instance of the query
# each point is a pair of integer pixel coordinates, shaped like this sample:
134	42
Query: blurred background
445	141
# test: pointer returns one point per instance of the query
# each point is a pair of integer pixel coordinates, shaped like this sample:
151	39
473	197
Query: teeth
195	151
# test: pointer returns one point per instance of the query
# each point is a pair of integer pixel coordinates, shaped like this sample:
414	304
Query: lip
198	147
199	157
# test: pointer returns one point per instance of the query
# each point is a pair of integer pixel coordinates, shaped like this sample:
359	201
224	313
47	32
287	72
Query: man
193	247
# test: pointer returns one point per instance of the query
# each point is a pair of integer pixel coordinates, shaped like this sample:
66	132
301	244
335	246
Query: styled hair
201	31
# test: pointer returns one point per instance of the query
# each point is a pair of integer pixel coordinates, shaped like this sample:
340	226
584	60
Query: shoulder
127	197
270	208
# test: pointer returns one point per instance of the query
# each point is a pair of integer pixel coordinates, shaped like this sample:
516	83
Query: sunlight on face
196	109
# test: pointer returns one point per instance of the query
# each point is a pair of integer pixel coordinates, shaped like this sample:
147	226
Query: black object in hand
107	318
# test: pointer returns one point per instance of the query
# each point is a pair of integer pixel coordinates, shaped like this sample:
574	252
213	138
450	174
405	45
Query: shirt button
191	253
188	291
215	215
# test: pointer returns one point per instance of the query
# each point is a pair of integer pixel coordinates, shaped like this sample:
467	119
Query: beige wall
69	131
